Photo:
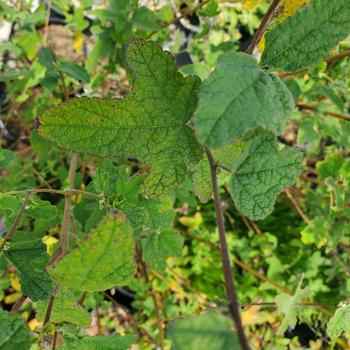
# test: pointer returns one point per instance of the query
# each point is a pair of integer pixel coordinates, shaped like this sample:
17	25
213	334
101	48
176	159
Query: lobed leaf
238	97
339	323
149	124
307	36
262	175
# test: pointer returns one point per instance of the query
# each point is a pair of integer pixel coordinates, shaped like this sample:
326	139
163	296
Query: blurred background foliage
50	49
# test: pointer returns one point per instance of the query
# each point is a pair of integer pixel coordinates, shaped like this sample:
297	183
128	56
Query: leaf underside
150	124
339	323
307	36
265	172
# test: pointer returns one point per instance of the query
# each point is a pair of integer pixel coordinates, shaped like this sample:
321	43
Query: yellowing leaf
11	298
250	4
50	243
261	44
78	42
193	222
290	7
15	282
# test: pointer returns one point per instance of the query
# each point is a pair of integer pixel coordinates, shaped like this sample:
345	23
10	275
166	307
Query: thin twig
49	190
337	57
50	306
19	302
303	106
16	222
54	341
132	321
263	25
250	270
185	14
225	257
155	297
67	206
297	206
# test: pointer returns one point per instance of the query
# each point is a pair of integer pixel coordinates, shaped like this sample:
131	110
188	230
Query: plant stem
16	222
19	302
67	206
339	116
263	25
50	306
225	257
155	297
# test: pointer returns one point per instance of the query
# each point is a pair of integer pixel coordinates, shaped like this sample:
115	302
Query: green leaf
6	157
264	173
109	342
288	306
150	124
105	178
238	97
227	156
41	209
339	323
65	309
28	255
201	178
14	333
46	58
158	246
145	19
307	36
75	71
209	331
104	260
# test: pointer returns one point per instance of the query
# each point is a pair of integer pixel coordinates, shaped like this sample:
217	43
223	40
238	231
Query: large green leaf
104	260
262	175
110	342
237	97
209	331
14	333
65	309
339	323
28	255
149	124
307	36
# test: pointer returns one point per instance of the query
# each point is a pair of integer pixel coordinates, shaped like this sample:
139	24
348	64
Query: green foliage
158	246
262	175
28	255
306	37
339	323
288	306
140	122
65	309
104	260
210	330
14	333
111	342
225	110
156	133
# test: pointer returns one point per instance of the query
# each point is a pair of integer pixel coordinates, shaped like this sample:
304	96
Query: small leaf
6	157
14	333
339	323
158	246
28	255
209	331
65	309
288	306
264	173
202	181
75	71
150	124
307	36
104	260
109	342
238	97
